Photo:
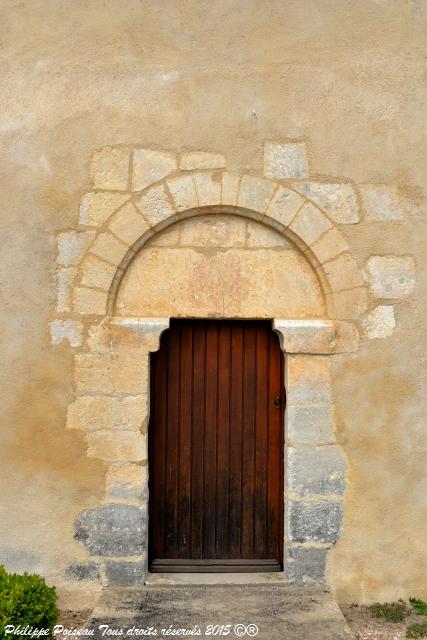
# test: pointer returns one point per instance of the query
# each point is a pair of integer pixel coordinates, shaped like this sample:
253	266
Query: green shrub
419	605
392	611
417	630
26	600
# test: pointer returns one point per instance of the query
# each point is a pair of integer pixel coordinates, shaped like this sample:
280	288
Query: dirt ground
365	627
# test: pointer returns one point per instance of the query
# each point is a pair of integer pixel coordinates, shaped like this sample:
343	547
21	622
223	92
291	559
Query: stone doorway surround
138	193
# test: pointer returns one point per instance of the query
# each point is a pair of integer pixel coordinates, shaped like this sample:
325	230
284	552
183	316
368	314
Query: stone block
72	246
183	192
127	481
156	205
381	202
338	200
310	423
109	168
285	160
306	564
64	284
99	338
82	572
113	530
214	231
208	188
260	236
92	373
131	413
329	246
128	224
230	188
284	205
191	160
391	276
89	301
169	237
97	273
310	223
90	412
316	470
66	330
130	371
347	305
380	323
308	379
116	446
150	166
255	193
306	336
125	574
343	273
96	208
109	248
314	521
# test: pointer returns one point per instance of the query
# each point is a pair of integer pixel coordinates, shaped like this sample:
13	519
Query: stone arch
155	208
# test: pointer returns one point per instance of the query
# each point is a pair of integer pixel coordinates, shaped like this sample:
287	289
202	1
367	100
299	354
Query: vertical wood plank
236	418
209	476
223	457
260	490
248	439
185	457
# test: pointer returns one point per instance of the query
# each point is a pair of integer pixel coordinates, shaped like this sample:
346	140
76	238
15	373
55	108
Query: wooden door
216	448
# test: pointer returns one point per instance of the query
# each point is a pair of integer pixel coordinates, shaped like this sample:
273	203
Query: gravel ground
365	627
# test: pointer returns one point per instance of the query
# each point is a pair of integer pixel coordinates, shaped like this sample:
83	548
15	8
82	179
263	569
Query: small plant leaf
392	611
417	630
419	605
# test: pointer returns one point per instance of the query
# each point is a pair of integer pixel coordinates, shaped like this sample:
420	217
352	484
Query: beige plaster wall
348	77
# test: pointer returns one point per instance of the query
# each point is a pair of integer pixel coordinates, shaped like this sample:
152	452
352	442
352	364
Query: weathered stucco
348	79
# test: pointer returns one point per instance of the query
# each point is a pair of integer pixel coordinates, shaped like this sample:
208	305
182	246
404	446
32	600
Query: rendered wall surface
346	78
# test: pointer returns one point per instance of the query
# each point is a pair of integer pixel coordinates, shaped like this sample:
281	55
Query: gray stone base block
306	564
314	521
125	574
113	530
310	422
316	470
82	571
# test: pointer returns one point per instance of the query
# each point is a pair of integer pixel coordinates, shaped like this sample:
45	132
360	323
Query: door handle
277	401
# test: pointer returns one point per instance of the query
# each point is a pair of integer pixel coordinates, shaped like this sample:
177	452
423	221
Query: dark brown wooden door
216	448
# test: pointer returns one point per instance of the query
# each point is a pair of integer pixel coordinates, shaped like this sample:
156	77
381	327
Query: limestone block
108	247
82	572
308	379
113	530
339	201
64	283
150	166
255	193
214	231
208	188
130	413
286	160
72	246
183	192
310	223
90	301
97	273
329	246
306	564
317	522
391	276
306	336
381	202
128	224
96	208
316	470
129	370
343	273
70	330
126	481
155	205
347	305
90	413
138	335
380	323
115	446
262	236
230	188
92	373
284	205
310	423
169	237
109	168
348	338
125	574
99	338
201	160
